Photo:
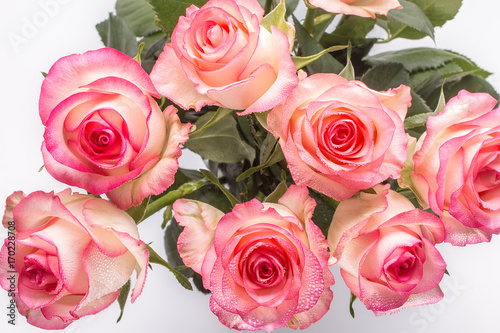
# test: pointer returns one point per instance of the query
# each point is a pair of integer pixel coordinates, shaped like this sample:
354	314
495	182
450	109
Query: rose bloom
265	263
72	254
220	55
339	136
104	131
364	8
385	249
457	168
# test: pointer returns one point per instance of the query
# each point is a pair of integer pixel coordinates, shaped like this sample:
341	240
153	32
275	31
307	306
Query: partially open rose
265	263
385	249
104	131
364	8
339	136
457	168
220	55
71	255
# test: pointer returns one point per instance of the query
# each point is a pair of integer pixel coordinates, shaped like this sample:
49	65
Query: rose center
102	138
341	137
40	278
100	141
264	265
215	35
341	133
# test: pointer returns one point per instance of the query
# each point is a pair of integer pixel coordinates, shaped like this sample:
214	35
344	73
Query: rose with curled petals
221	55
265	263
339	136
72	255
104	131
457	168
385	249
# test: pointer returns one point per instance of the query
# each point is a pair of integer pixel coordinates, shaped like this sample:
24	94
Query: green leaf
323	213
221	143
419	120
441	102
437	12
279	190
156	259
407	193
412	16
277	18
198	282
290	6
138	15
170	241
168	11
122	298
262	117
211	177
351	29
139	51
471	83
304	61
44	74
167	216
321	23
153	46
115	33
171	195
348	71
418	105
351	301
309	46
138	212
215	118
386	76
416	59
275	157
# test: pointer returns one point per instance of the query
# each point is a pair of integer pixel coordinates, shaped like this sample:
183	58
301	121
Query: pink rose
385	249
265	263
457	168
220	55
339	136
104	131
71	255
364	8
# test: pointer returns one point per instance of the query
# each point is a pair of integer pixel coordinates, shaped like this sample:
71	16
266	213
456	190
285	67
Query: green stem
170	197
309	20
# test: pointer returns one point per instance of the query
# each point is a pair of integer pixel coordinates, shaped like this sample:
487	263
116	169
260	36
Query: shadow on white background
49	29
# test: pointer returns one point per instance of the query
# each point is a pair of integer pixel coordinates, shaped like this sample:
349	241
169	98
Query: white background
472	293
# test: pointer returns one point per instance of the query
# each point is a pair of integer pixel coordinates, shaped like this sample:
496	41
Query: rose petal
199	221
171	81
65	78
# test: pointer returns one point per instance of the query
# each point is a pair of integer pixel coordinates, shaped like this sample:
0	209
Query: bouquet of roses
318	154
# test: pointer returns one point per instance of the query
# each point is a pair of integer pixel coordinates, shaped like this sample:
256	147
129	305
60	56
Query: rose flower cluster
265	260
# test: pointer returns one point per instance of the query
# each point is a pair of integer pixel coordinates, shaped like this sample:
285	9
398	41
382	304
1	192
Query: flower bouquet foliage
318	153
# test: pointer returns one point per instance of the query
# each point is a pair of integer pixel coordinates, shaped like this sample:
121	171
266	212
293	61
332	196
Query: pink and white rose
340	136
457	168
363	8
104	131
220	54
265	263
385	249
72	254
